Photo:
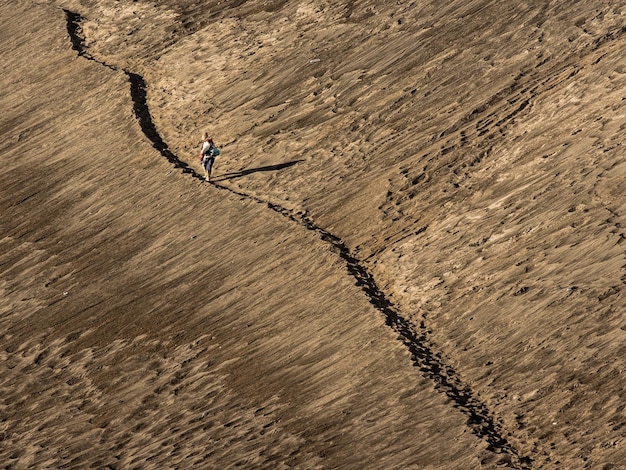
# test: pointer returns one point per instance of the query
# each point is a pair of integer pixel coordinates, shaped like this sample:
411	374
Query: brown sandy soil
412	255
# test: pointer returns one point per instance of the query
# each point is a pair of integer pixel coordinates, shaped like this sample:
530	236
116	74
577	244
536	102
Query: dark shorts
207	162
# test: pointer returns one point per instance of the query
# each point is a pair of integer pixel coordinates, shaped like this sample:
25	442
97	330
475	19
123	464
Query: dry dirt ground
411	256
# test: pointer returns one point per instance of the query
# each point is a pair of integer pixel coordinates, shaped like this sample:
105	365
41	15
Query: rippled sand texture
411	254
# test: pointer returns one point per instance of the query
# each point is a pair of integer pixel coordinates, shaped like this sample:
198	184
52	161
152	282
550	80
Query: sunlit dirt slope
411	254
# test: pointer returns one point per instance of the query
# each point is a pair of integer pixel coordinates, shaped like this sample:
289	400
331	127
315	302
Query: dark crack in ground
432	364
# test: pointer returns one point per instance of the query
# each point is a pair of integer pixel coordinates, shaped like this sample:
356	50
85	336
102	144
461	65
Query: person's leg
209	167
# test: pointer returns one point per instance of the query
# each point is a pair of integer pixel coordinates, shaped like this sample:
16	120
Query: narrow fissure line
432	365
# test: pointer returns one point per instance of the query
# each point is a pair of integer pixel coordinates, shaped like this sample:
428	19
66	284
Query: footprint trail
480	420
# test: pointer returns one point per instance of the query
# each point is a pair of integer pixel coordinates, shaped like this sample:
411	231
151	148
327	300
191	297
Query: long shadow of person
239	174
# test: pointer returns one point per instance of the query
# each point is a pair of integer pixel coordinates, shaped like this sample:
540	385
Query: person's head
205	136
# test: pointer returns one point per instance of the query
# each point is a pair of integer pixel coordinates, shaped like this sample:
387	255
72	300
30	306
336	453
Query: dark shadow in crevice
138	96
142	113
432	364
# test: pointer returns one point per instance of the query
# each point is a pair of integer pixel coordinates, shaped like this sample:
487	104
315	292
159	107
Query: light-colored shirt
206	145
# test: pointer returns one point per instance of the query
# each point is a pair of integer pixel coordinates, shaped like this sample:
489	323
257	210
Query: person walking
208	152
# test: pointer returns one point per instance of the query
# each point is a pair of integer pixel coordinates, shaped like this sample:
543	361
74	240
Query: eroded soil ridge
432	365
